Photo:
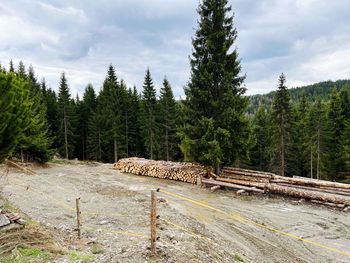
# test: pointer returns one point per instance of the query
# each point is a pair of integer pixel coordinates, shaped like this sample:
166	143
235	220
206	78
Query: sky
308	40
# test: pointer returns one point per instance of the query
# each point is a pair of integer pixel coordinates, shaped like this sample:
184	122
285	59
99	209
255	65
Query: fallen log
242	182
324	190
309	182
230	185
228	172
307	194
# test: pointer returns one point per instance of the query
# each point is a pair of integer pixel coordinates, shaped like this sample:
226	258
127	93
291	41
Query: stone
1	204
21	221
346	209
4	221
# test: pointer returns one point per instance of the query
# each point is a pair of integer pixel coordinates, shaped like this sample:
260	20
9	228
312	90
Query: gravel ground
124	203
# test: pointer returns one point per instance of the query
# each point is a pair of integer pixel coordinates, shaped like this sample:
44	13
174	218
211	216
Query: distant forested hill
321	89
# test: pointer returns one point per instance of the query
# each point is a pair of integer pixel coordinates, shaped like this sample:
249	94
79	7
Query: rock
1	204
104	222
340	205
346	209
4	221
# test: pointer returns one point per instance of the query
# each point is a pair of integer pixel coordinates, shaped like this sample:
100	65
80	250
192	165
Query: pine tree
259	154
96	131
335	127
167	120
281	116
113	96
14	112
149	126
317	134
65	133
216	131
36	141
21	71
11	69
136	140
301	139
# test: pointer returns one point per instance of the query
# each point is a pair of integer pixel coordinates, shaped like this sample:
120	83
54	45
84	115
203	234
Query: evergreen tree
216	131
281	115
335	127
301	139
96	131
317	134
11	69
149	125
167	119
36	141
14	112
260	152
65	133
136	141
21	71
113	96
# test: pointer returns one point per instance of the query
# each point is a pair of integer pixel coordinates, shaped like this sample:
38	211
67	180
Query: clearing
116	218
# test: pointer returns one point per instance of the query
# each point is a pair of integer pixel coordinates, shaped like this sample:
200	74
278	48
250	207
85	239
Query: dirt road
247	229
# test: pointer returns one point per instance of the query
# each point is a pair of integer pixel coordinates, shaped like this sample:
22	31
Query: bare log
308	194
308	181
236	186
242	182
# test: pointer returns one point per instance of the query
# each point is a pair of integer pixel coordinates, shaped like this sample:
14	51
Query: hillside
322	89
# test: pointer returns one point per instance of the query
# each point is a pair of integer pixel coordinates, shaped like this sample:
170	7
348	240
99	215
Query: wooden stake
78	217
153	221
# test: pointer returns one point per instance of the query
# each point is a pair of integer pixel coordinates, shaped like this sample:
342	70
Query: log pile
186	172
312	189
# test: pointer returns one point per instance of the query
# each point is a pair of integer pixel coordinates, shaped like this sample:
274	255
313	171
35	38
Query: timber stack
317	191
243	180
186	172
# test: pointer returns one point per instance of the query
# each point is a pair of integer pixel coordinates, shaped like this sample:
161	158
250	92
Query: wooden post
153	221
78	217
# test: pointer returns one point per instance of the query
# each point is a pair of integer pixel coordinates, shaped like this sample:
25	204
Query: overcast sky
307	40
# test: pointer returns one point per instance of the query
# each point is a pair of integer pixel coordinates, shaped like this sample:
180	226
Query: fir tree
167	120
149	125
11	69
14	112
21	71
216	131
335	127
65	133
282	115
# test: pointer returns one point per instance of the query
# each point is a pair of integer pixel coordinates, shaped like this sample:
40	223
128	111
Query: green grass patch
239	258
96	250
29	255
77	257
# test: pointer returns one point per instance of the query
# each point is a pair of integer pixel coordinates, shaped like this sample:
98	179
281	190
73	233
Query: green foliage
148	117
168	138
66	117
215	130
15	110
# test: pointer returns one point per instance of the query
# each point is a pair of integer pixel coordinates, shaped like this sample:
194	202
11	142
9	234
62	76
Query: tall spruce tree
36	141
11	69
167	120
317	133
216	131
149	125
14	112
65	133
281	115
335	127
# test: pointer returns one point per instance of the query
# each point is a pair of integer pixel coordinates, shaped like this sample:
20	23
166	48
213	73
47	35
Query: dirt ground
211	236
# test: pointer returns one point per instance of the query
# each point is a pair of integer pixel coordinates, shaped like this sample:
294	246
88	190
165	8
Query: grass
8	206
97	250
77	257
239	258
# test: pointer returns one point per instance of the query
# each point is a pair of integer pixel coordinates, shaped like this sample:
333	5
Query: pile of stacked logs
318	191
186	172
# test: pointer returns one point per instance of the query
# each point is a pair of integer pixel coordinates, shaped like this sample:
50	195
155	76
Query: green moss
74	257
97	250
239	258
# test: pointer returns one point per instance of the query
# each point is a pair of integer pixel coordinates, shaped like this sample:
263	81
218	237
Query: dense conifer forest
300	131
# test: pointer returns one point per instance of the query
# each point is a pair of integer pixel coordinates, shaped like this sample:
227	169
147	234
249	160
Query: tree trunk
282	152
115	151
22	156
127	134
99	145
308	194
167	142
318	154
65	132
312	176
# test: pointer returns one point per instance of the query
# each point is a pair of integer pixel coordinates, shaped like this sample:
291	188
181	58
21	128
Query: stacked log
186	172
242	179
306	188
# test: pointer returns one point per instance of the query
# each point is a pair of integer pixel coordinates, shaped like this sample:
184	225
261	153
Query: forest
301	131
